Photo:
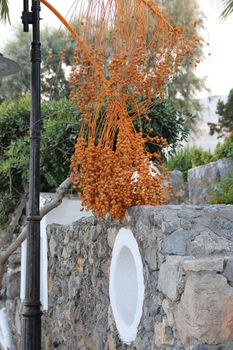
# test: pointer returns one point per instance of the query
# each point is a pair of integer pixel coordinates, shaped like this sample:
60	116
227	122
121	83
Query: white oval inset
126	287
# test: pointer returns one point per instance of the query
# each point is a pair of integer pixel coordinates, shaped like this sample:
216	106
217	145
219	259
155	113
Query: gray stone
227	212
188	213
112	233
205	312
163	334
13	284
204	177
175	244
168	309
185	224
73	286
204	264
79	316
168	227
207	243
170	276
228	271
179	188
151	257
52	246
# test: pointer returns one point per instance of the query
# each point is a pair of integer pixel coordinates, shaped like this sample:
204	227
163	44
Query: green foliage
180	160
200	157
225	149
186	84
60	125
4	10
14	124
187	158
7	205
164	119
222	192
227	6
225	121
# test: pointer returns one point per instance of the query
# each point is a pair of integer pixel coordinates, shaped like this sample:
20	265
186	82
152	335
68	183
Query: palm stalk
227	6
4	10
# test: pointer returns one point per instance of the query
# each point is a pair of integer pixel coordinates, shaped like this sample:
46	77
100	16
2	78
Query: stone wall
200	181
203	178
187	255
10	306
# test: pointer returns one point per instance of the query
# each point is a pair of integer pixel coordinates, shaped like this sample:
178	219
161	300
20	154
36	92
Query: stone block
205	312
228	271
185	224
189	213
179	188
204	264
175	243
13	284
151	257
52	246
170	276
203	178
168	309
163	334
112	233
169	227
73	286
207	243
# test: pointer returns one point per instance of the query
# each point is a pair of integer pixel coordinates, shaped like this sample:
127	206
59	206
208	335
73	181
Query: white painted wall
67	212
5	334
126	288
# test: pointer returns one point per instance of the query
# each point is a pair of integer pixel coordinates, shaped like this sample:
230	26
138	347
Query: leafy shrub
7	204
225	149
225	120
60	125
180	160
187	158
222	192
200	157
164	119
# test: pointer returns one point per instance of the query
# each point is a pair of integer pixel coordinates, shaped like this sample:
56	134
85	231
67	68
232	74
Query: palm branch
227	8
4	10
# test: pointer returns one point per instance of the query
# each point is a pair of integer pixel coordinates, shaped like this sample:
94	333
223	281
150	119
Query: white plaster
126	286
5	334
67	212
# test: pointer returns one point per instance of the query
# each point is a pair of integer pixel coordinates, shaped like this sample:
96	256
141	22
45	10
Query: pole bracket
26	20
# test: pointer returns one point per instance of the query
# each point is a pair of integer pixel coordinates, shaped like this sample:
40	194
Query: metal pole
32	307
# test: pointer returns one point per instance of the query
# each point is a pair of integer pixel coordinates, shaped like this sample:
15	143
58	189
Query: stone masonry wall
187	255
204	178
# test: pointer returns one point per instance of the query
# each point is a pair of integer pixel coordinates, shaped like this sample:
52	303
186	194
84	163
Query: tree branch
8	233
55	202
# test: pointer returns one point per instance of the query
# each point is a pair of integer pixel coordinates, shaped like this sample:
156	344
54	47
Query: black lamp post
32	307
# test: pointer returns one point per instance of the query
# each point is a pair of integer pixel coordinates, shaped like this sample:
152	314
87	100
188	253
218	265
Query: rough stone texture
175	244
206	310
187	264
228	271
204	264
201	178
170	277
9	300
186	252
179	188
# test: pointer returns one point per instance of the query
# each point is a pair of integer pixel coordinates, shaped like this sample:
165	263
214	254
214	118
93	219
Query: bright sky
218	67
